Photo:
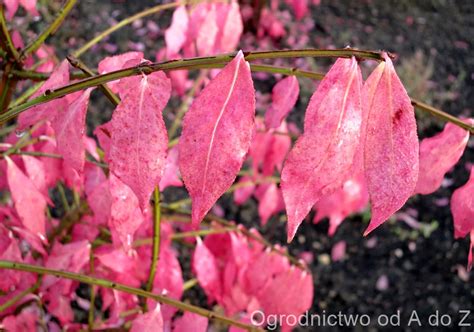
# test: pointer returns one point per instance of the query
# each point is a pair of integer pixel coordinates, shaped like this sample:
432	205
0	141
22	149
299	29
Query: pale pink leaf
125	215
70	126
190	322
217	132
338	251
322	158
30	203
139	140
30	6
47	111
245	190
391	149
176	34
284	94
230	27
151	321
270	201
438	154
12	7
207	33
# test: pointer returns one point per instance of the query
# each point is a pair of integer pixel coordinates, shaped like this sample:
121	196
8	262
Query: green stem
191	63
90	318
121	24
6	39
156	239
127	289
21	295
51	29
443	115
190	284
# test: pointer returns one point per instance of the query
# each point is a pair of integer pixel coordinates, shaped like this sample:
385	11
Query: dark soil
422	269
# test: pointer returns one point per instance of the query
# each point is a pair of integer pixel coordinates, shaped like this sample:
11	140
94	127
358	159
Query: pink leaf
217	133
322	158
139	139
171	174
390	143
69	126
205	266
351	198
338	251
243	193
126	215
30	203
176	34
438	154
285	94
270	201
30	6
151	321
462	208
47	111
35	169
12	7
190	322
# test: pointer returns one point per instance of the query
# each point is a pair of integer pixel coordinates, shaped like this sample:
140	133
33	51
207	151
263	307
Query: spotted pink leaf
462	209
59	77
30	203
176	34
322	158
438	154
139	140
284	95
390	144
216	136
69	126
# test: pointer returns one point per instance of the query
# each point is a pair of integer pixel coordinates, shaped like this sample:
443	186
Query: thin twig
50	30
127	289
21	295
124	22
6	39
156	239
76	63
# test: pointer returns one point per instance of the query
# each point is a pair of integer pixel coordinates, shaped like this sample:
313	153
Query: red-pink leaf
190	322
176	34
36	172
126	215
462	209
217	132
322	158
245	191
438	154
390	144
47	111
113	63
139	140
151	321
270	201
69	126
284	94
30	203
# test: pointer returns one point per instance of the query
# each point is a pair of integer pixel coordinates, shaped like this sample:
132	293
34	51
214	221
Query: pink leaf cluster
241	276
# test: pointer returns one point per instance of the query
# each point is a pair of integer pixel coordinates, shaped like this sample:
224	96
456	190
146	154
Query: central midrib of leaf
214	130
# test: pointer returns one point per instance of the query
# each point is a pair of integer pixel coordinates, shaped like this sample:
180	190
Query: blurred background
410	263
